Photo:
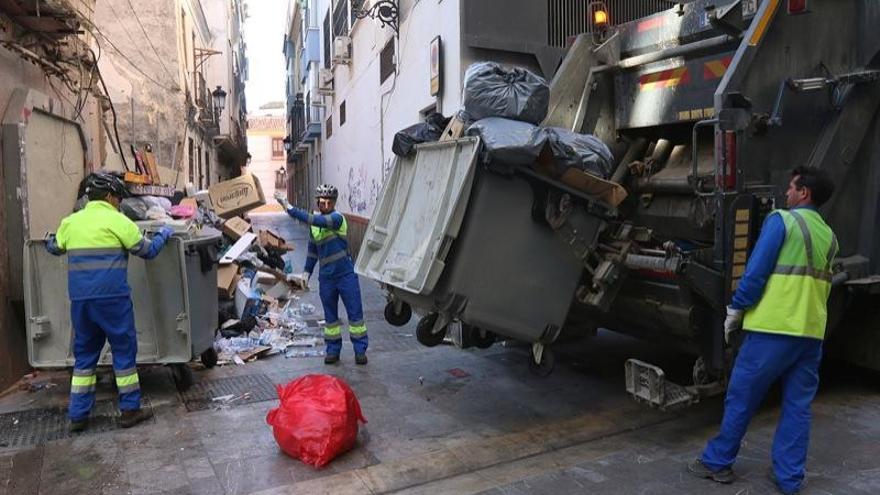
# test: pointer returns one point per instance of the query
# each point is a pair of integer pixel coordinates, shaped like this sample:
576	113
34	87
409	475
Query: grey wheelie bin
458	242
174	297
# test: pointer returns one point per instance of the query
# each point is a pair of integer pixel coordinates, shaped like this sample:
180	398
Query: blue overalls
329	246
97	241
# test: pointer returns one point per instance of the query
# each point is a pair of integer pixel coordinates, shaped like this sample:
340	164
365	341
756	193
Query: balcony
311	51
305	122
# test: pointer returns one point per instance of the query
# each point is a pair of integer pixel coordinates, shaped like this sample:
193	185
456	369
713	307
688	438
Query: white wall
358	155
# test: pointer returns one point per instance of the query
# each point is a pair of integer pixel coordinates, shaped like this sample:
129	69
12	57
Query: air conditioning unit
325	81
342	50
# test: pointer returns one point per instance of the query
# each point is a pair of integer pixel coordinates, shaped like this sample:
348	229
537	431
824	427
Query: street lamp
219	97
287	143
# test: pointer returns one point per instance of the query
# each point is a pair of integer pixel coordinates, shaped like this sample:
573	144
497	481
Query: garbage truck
707	107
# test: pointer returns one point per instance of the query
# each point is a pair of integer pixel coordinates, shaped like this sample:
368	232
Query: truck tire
424	332
398	319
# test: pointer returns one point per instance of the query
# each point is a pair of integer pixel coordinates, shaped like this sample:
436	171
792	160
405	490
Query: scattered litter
33	382
295	352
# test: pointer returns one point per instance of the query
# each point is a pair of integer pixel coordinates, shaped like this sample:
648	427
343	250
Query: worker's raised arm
331	221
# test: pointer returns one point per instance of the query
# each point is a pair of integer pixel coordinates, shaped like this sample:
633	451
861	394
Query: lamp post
219	97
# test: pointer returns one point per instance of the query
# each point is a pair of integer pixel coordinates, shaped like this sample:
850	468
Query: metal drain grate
245	389
38	426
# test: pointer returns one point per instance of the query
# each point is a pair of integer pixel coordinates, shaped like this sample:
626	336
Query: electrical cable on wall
136	18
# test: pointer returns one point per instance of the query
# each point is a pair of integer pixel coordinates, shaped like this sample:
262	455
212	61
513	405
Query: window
386	61
341	114
277	148
201	175
327	41
207	169
340	18
329	126
192	165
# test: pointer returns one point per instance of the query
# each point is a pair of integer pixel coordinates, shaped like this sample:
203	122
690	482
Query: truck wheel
183	377
424	332
398	319
548	362
482	339
209	358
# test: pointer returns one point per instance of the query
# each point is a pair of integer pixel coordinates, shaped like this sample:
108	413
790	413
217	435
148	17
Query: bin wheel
183	377
398	319
209	357
482	339
545	367
424	333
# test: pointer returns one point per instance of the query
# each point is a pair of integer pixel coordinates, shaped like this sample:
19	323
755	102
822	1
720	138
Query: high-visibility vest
97	240
795	299
332	248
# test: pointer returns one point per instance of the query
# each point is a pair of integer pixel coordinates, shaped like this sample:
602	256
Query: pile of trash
284	330
505	107
259	313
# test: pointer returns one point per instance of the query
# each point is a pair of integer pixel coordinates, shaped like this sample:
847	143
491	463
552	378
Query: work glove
733	322
282	199
165	232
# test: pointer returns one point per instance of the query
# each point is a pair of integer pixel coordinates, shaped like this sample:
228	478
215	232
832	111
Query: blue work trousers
346	287
94	322
763	359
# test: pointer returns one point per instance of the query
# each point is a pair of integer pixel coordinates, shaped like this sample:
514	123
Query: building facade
265	136
81	81
161	76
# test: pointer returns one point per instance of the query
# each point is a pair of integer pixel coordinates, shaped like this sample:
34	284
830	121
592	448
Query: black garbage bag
508	143
135	208
424	132
242	327
583	151
491	90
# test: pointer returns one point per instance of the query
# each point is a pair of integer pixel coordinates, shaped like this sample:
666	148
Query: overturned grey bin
456	242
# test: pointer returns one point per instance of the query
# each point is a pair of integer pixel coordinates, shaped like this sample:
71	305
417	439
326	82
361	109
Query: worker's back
97	240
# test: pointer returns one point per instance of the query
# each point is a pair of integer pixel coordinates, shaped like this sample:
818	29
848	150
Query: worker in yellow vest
328	245
782	304
98	240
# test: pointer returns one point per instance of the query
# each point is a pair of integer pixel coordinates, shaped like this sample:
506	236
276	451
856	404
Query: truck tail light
797	6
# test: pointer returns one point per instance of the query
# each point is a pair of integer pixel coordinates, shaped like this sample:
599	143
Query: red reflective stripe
665	78
649	24
715	69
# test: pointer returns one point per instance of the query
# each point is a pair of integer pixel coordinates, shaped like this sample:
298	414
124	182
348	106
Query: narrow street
440	420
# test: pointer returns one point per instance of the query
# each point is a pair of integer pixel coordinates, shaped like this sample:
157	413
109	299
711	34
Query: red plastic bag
317	419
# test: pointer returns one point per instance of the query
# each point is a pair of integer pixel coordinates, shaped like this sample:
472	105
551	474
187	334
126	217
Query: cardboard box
189	202
236	227
236	196
267	238
227	279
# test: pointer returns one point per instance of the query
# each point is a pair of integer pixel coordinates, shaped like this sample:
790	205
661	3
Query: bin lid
418	215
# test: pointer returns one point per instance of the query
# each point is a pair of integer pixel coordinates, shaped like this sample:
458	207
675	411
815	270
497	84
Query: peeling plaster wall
14	75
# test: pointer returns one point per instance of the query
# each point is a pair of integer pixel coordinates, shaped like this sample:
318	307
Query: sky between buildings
264	35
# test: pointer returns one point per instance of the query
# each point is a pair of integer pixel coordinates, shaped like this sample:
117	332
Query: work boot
331	359
700	470
133	417
78	426
772	477
360	358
